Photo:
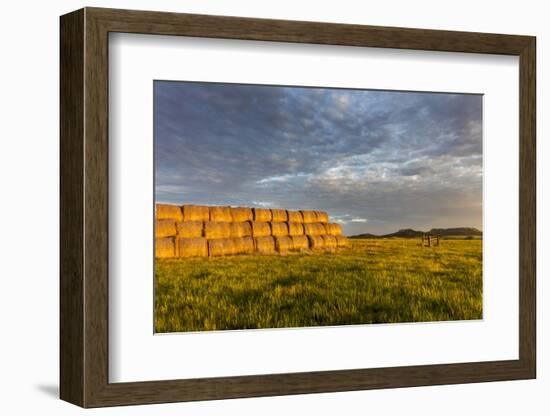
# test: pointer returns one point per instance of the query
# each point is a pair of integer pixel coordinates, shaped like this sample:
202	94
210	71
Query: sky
376	161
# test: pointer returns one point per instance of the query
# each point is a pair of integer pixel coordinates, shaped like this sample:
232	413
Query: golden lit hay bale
193	247
195	213
165	228
165	247
295	216
315	229
220	214
240	229
264	245
260	229
222	247
244	245
283	244
330	241
322	216
279	228
189	229
342	241
217	229
168	212
279	215
300	242
295	228
309	216
316	242
241	214
333	229
262	214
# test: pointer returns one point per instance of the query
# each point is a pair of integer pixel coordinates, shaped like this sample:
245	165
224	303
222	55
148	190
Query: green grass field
373	281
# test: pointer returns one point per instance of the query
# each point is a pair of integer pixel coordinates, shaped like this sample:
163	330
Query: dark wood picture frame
84	207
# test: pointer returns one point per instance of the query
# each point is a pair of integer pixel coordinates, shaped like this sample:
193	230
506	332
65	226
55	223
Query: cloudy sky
376	161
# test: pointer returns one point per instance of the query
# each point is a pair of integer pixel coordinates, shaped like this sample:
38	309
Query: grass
373	281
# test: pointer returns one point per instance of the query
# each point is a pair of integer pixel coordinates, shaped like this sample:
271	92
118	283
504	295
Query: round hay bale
283	244
220	214
295	216
322	216
222	247
189	229
314	229
241	214
193	247
217	229
330	241
295	228
165	247
165	228
333	229
279	215
261	214
260	229
195	213
279	228
316	242
300	242
264	245
309	216
244	245
240	229
342	241
168	212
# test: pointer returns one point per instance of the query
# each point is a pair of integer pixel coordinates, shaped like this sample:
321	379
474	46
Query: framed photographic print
254	207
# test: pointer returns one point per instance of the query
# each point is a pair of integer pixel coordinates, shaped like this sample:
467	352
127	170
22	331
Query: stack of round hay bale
201	231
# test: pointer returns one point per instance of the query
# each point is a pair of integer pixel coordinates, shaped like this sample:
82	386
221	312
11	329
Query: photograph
281	206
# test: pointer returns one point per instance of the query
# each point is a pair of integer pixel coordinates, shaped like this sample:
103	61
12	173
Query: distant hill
442	232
